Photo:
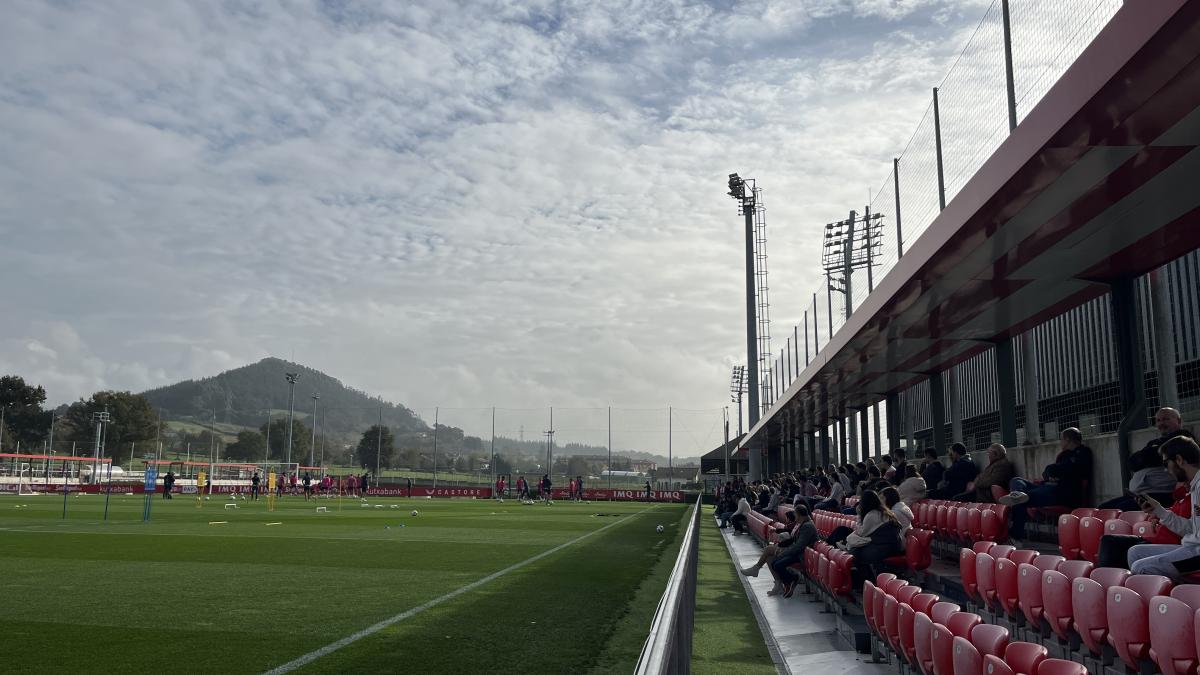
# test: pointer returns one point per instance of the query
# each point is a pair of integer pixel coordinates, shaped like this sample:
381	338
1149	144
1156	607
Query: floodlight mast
291	378
746	196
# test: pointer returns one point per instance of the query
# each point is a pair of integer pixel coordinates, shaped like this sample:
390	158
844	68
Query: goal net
24	481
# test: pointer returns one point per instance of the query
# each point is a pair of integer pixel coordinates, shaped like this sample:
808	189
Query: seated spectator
762	498
844	477
1114	548
789	551
999	471
887	467
737	517
933	471
834	501
1063	482
961	472
772	503
876	538
904	515
912	489
1181	456
1150	478
898	463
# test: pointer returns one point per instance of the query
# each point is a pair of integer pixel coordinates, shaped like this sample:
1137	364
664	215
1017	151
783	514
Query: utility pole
312	451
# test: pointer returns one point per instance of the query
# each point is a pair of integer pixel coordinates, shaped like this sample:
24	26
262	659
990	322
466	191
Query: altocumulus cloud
476	203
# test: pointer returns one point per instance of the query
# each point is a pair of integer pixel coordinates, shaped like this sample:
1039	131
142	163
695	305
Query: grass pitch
224	590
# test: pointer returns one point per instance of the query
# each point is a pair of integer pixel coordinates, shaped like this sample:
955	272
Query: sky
519	204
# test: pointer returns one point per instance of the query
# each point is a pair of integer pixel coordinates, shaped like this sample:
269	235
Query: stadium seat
962	528
1056	595
1089	598
924	602
1108	514
922	635
942	639
869	605
1020	658
1188	593
983	546
1128	609
1001	550
994	524
966	570
1022	555
975	524
1134	517
985	579
1068	536
941	513
1006	586
905	617
1117	526
918	549
1090	531
1029	591
989	639
1172	636
1155	533
891	623
966	659
1084	512
1061	667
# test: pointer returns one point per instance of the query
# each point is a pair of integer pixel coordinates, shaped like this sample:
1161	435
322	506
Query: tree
131	420
376	445
250	445
502	465
301	440
462	464
24	419
577	466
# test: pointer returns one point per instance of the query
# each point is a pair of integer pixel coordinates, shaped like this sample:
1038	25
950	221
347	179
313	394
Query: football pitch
462	587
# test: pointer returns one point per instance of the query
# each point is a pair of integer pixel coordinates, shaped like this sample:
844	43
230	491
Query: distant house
713	461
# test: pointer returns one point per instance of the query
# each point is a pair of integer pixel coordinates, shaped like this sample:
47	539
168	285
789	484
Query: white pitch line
371	630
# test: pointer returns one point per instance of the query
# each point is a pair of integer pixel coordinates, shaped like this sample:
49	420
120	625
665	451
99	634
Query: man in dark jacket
1150	477
961	472
1063	482
792	552
999	471
933	470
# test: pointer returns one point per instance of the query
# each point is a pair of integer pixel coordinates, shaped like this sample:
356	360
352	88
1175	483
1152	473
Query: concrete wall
1106	469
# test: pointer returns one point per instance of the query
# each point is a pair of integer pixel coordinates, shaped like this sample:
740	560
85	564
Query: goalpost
24	482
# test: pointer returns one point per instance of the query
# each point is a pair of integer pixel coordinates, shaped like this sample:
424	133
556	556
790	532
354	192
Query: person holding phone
1181	457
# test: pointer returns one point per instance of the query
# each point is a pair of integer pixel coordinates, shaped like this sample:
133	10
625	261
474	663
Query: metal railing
668	647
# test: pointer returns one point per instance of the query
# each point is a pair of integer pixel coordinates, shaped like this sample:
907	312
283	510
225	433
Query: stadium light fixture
291	378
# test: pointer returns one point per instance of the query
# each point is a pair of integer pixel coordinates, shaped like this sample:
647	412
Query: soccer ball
659	529
414	512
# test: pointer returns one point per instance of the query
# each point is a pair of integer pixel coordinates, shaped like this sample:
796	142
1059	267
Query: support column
823	444
1164	339
852	435
910	421
1006	392
893	422
1130	377
937	406
1029	381
955	407
878	434
864	425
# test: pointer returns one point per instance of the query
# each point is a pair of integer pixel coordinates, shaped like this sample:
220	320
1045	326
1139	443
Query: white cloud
445	203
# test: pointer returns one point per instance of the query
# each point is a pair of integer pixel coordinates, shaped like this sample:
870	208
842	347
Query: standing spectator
912	489
898	463
961	472
366	482
1182	459
889	468
254	481
933	471
578	488
169	484
1150	478
999	471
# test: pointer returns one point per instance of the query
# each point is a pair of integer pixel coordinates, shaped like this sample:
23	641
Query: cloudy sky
512	203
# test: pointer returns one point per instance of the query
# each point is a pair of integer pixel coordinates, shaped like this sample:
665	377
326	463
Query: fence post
937	144
896	191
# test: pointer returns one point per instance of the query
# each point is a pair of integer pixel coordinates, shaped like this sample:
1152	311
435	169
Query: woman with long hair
876	538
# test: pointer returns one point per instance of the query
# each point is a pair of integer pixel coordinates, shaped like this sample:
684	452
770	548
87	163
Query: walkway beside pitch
800	636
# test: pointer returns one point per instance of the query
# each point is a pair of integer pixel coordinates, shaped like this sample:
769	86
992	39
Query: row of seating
937	638
832	568
962	522
1092	613
1079	532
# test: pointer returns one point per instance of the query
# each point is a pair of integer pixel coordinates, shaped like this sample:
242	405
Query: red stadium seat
1155	533
994	524
1024	657
891	623
923	602
922	637
1117	526
985	578
998	492
962	528
965	659
1022	555
975	524
989	639
1068	536
1056	595
942	639
1188	593
918	549
1134	517
1090	531
906	616
996	666
941	514
1006	586
983	546
877	612
1001	550
966	570
1061	667
1128	616
1172	637
1084	512
942	611
869	605
1108	514
1089	599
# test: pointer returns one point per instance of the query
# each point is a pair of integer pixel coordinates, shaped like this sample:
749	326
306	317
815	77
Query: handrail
668	647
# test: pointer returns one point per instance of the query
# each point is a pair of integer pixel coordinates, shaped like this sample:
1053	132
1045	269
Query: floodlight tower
737	387
312	450
849	245
291	378
747	195
100	418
